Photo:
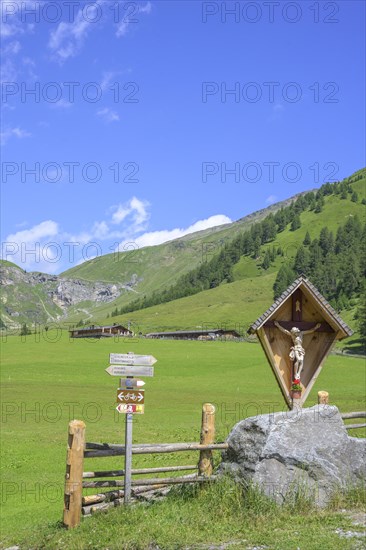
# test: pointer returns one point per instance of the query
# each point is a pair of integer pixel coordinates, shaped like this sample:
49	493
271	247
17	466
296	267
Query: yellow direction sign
133	397
130	409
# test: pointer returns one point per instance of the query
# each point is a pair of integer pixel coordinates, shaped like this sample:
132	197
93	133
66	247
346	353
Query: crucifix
296	330
284	331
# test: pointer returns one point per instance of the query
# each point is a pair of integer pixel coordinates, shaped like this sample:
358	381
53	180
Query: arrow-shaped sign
130	396
131	383
131	359
128	409
119	370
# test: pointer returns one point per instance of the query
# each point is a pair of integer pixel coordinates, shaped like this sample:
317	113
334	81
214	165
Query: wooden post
323	398
205	464
74	474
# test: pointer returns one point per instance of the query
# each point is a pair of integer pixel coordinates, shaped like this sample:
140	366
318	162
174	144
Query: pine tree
280	219
296	223
256	247
266	260
302	261
326	240
284	278
24	331
361	315
272	254
307	239
354	197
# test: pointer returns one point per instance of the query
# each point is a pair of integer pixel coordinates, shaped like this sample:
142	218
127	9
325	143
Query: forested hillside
335	263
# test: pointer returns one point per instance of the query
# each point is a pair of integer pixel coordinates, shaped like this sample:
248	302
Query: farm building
100	332
213	334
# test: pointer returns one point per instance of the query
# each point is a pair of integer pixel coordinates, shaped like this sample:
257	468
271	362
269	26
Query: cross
297	317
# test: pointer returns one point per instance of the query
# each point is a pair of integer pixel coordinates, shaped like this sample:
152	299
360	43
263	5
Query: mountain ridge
148	269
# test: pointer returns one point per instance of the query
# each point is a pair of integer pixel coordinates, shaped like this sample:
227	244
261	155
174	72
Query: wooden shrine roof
324	306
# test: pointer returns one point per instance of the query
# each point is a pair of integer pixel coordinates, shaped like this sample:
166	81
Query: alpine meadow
183	275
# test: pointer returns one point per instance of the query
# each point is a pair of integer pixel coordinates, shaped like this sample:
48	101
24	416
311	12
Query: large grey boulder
305	450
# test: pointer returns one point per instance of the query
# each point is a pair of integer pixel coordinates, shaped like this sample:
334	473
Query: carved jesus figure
297	352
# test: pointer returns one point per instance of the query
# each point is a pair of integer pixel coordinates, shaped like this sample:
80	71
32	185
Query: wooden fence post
323	398
74	474
205	464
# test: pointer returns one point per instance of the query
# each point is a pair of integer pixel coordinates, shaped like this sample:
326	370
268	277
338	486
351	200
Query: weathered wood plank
360	414
119	450
113	495
138	471
302	325
141	482
354	426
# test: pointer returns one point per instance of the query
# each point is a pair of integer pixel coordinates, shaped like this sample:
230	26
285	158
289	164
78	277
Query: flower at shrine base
296	386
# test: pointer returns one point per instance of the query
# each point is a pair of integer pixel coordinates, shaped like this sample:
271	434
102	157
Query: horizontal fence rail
347	416
142	488
99	450
121	473
142	482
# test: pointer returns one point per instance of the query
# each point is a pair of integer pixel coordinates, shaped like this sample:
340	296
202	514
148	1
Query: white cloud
47	228
154	238
107	78
62	104
12	48
108	115
68	38
124	24
49	248
8	71
13	132
32	249
10	15
8	66
271	199
136	208
146	8
30	65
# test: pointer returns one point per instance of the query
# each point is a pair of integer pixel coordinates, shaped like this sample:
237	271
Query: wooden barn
100	332
213	334
301	316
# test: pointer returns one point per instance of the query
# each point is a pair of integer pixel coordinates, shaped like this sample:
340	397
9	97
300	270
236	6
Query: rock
52	296
305	450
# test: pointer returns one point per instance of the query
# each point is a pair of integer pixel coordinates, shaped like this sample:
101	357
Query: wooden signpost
131	359
132	370
130	399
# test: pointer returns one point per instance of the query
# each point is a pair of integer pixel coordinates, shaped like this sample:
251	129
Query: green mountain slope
159	266
78	294
239	303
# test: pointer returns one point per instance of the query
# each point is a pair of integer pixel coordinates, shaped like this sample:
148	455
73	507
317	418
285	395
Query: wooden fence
323	399
76	505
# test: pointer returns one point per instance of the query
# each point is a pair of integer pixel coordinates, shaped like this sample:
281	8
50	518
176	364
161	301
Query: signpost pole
128	457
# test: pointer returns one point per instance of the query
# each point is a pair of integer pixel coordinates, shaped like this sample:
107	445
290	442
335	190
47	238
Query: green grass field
48	379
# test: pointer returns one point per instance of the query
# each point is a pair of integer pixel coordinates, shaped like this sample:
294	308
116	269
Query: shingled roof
322	302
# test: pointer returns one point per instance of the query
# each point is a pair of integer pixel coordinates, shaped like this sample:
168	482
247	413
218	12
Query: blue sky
151	119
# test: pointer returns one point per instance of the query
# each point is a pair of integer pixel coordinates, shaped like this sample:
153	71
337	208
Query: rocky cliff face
39	297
